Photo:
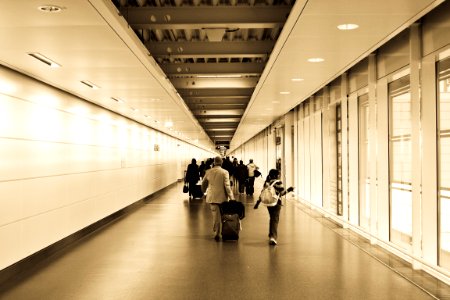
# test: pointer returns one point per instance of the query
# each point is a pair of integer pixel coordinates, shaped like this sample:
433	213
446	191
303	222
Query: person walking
273	179
251	167
192	176
217	182
241	174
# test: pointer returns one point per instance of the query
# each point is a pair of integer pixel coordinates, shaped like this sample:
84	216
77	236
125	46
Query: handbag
257	173
185	187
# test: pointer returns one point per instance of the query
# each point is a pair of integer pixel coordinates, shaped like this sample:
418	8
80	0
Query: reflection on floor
165	250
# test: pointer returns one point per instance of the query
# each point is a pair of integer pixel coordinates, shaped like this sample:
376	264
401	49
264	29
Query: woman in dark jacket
274	211
192	176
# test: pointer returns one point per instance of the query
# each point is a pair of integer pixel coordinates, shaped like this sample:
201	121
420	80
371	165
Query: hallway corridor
164	250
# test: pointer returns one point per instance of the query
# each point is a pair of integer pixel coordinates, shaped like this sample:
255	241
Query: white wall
400	56
66	163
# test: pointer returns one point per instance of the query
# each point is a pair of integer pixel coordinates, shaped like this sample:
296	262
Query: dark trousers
274	213
250	185
191	187
241	185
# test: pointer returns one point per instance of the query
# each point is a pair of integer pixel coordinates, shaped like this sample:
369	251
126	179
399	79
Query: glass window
400	162
364	170
339	159
444	162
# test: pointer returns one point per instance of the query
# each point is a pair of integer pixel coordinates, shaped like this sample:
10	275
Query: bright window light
7	87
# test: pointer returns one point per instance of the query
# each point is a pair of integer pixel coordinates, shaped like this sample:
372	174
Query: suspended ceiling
166	66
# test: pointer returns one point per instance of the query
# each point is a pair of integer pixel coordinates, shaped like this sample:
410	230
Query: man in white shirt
251	167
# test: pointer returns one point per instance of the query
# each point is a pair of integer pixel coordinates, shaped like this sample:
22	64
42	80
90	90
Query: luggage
231	226
268	195
197	191
232	212
232	207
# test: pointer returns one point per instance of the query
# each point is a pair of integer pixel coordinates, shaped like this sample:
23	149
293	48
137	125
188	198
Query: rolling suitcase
197	191
232	212
231	226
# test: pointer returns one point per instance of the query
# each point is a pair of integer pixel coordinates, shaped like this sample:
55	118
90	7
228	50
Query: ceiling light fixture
50	8
347	26
44	59
215	34
297	79
285	93
117	100
89	84
315	59
168	124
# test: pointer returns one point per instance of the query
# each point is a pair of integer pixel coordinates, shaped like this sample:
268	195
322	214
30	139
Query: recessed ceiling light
297	79
347	26
44	59
285	93
275	102
315	59
168	124
50	8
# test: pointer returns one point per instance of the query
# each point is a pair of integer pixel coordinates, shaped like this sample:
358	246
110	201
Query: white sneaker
272	241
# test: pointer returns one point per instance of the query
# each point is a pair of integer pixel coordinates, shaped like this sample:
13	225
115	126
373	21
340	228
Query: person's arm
205	183
227	185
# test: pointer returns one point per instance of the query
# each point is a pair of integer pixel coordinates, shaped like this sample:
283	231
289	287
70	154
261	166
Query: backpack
268	195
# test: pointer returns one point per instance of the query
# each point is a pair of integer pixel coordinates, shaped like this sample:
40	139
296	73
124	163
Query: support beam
221	112
199	17
205	48
213	68
224	92
204	83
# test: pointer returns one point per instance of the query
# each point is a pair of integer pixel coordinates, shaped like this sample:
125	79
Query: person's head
273	174
194	161
218	161
241	162
251	160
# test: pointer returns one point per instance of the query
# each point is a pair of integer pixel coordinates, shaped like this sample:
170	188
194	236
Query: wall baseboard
25	267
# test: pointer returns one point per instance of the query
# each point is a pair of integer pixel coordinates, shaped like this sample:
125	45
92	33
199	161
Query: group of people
217	181
240	175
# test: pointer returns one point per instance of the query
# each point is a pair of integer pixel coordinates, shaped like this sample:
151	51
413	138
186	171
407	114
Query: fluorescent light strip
347	26
90	84
315	59
117	100
44	59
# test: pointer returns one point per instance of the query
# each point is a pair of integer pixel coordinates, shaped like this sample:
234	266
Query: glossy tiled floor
164	250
